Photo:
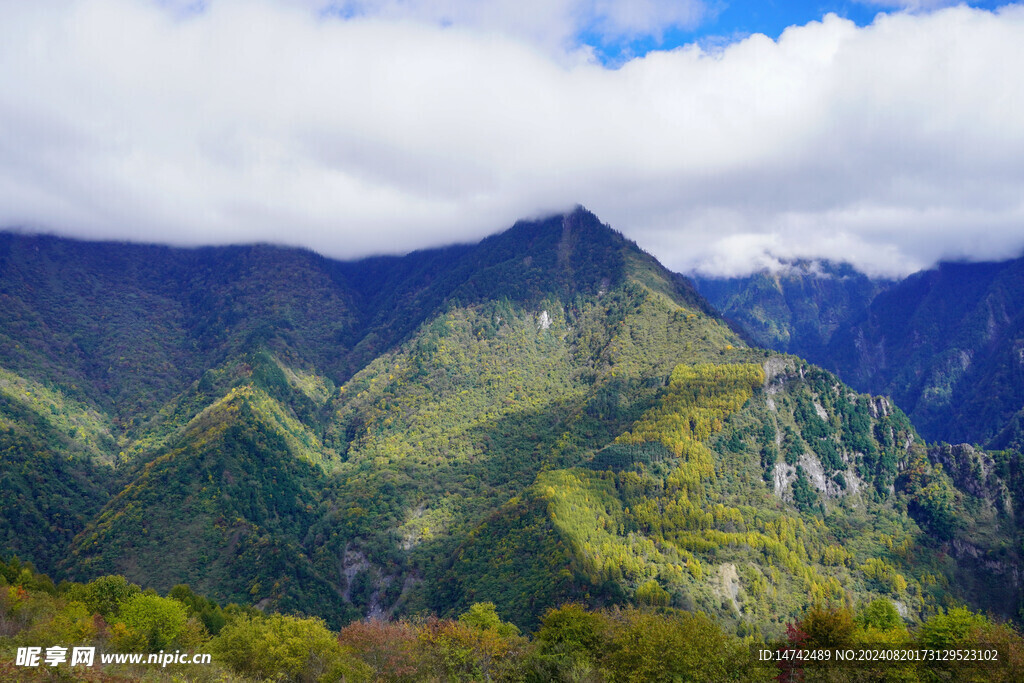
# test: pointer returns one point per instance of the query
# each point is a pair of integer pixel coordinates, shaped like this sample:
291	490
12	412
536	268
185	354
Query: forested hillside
199	639
546	417
945	343
797	308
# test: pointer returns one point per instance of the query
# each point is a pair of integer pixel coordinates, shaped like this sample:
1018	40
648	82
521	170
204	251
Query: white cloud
892	145
912	5
553	24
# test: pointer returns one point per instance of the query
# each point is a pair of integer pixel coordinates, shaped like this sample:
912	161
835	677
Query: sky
722	136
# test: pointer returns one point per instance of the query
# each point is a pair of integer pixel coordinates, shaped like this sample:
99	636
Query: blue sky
890	138
728	21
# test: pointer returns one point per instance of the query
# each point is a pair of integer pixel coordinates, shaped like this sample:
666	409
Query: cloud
353	133
912	5
553	24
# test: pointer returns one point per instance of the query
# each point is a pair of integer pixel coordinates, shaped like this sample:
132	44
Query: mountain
797	308
546	416
947	345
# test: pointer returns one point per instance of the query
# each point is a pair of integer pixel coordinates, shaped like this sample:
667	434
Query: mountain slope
232	496
781	507
796	309
946	345
125	328
546	415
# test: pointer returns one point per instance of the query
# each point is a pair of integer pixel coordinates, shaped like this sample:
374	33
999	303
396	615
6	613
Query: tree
291	648
484	616
150	621
390	649
677	646
457	651
105	595
569	644
950	629
880	615
827	627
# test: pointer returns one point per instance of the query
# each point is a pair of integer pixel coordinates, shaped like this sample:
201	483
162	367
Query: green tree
483	616
206	610
568	644
880	615
150	622
105	595
827	627
650	593
678	646
950	629
284	647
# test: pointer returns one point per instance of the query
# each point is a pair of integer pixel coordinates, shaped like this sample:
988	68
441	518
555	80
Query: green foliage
669	530
797	309
233	486
150	623
804	495
931	498
46	497
936	345
105	595
14	572
884	576
880	614
698	398
515	560
950	629
34	409
212	615
482	615
650	593
573	643
571	640
792	446
826	627
677	646
457	651
292	648
549	416
936	342
623	456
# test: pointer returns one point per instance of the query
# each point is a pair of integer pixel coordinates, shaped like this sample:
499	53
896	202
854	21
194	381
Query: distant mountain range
547	416
947	344
796	309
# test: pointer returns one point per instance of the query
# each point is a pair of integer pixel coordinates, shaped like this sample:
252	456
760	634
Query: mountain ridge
342	435
944	342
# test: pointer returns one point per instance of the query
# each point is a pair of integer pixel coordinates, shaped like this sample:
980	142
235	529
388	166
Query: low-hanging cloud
370	131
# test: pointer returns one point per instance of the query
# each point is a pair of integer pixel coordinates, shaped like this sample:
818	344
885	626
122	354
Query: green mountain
796	309
946	344
548	415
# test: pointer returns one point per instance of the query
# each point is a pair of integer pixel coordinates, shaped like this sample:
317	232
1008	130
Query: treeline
572	643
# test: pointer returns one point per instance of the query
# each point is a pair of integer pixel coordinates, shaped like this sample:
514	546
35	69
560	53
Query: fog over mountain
358	128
